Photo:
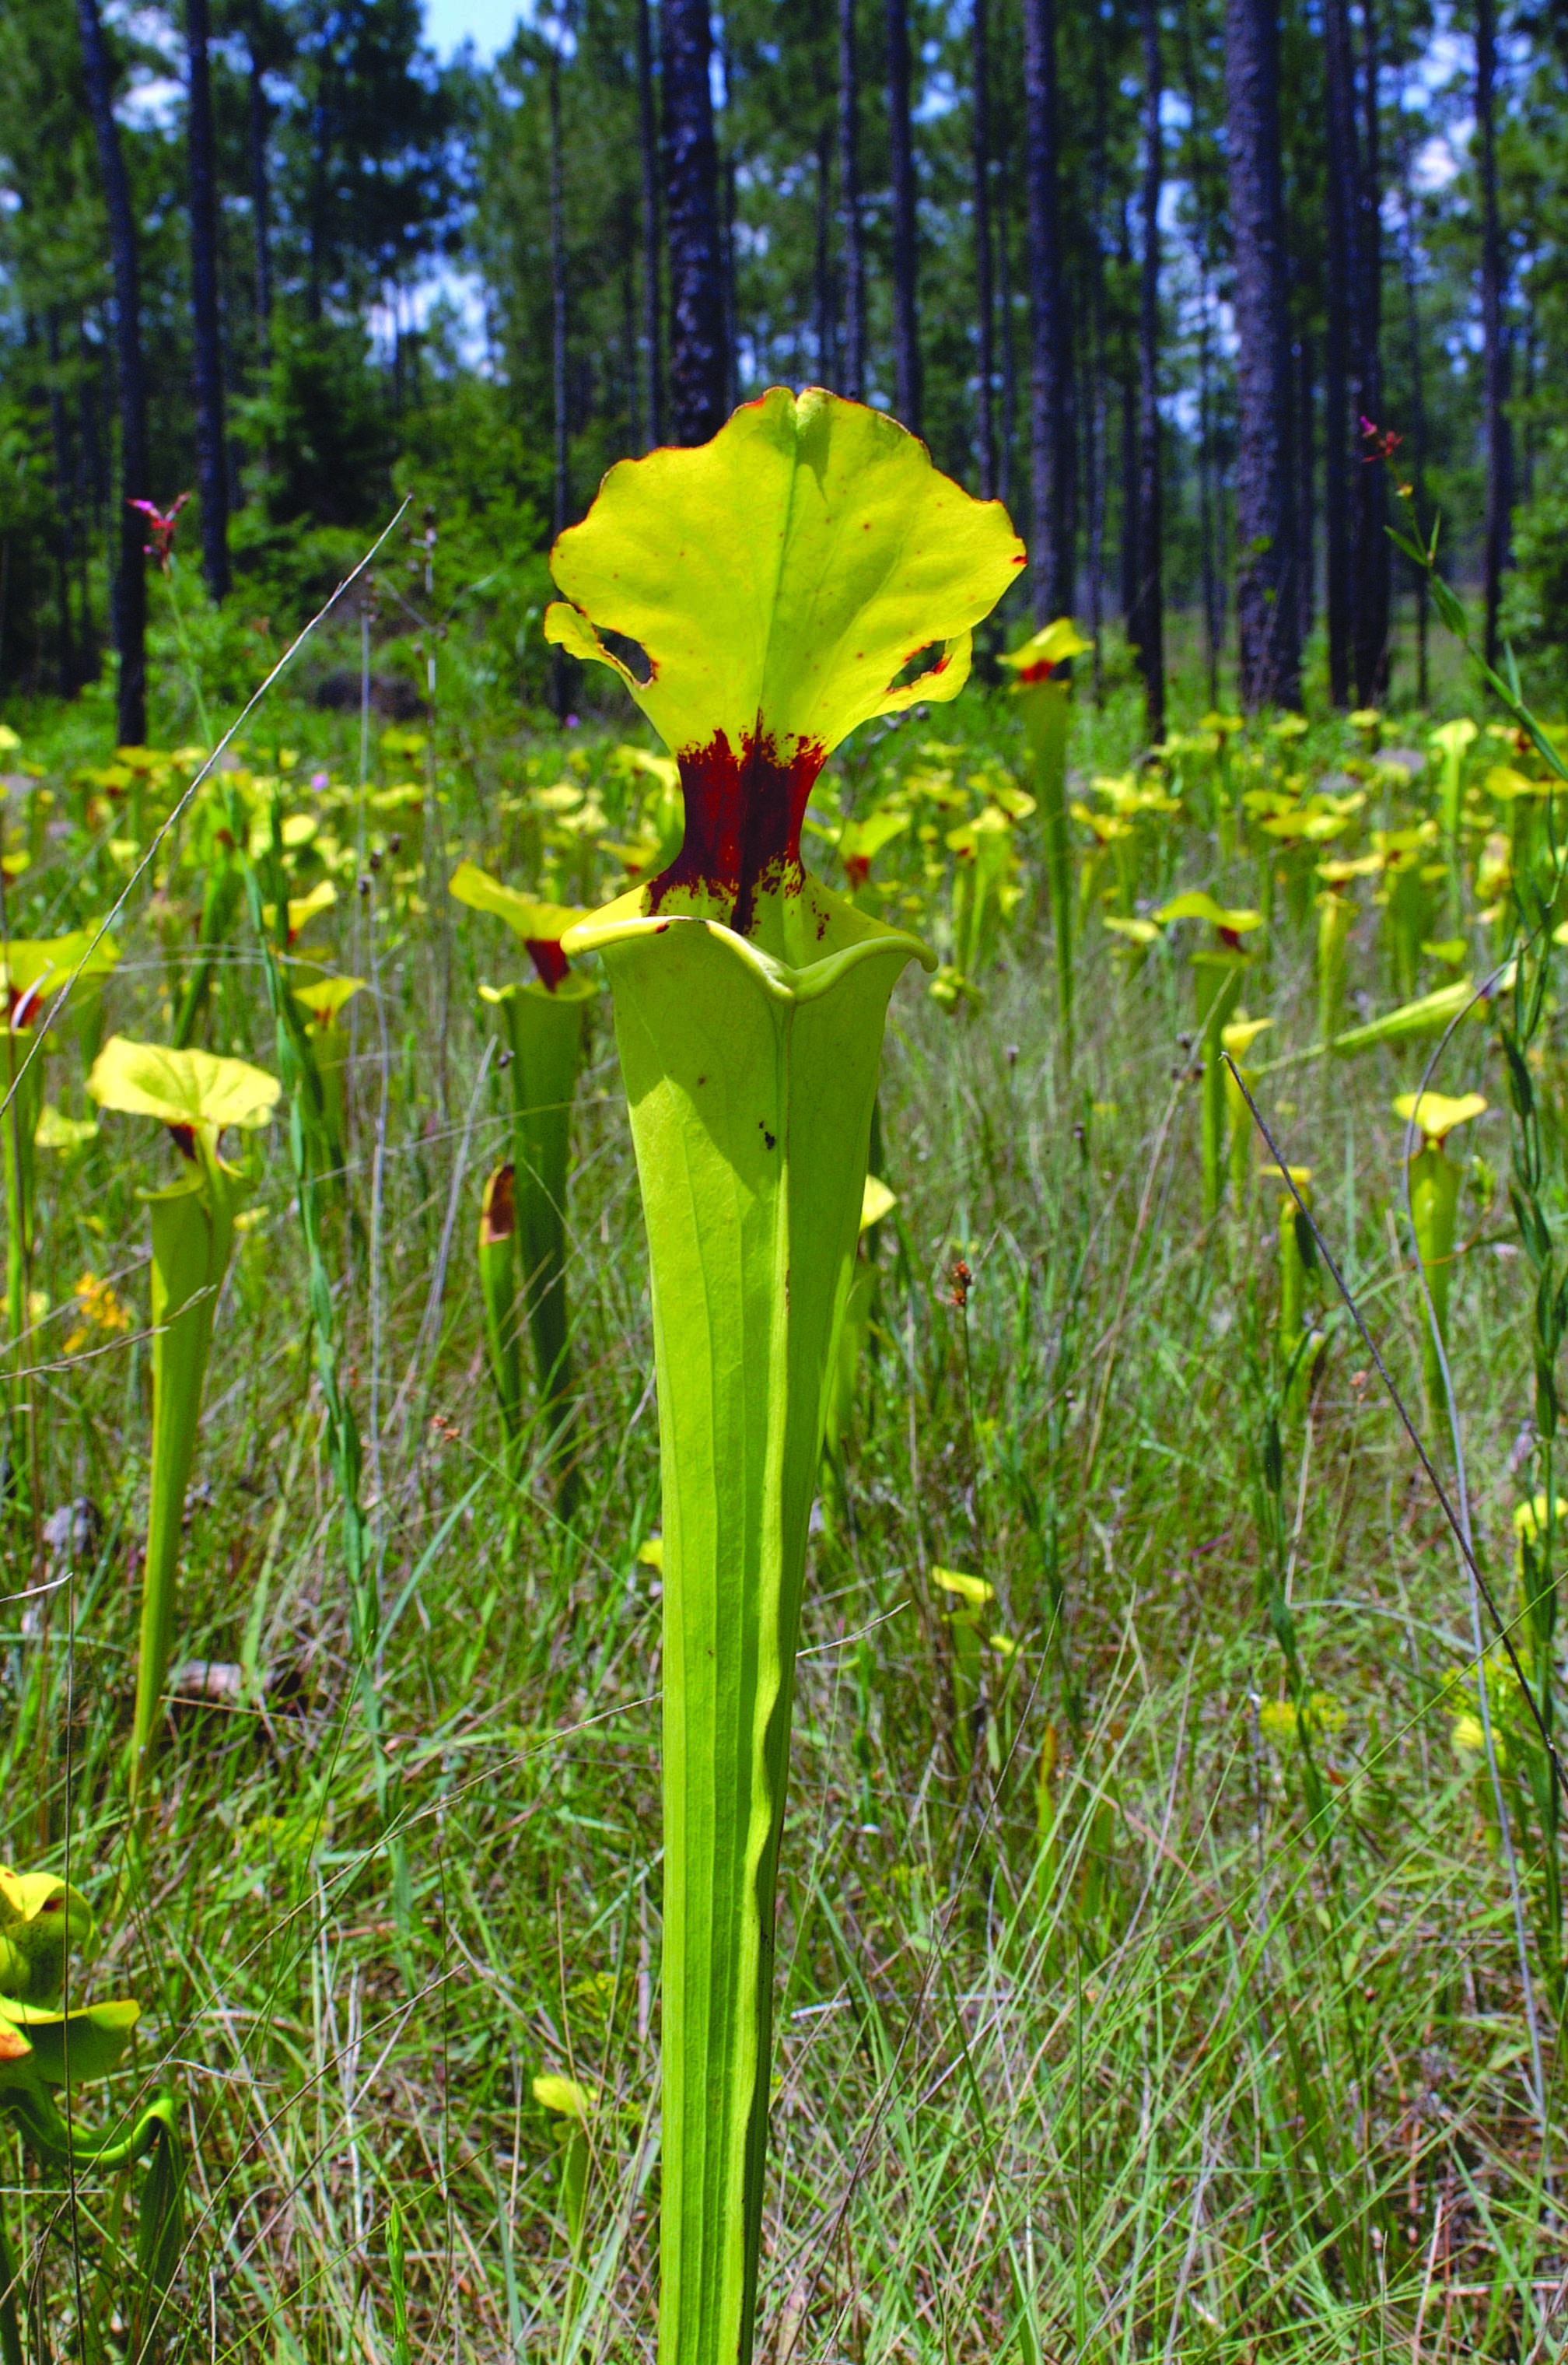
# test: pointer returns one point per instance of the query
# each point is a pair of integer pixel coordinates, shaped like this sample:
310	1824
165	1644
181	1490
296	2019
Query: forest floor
1095	2042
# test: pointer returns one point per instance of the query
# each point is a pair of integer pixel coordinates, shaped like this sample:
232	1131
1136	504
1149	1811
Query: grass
1093	2044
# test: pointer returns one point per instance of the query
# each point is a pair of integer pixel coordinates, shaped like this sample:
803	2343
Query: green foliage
1535	613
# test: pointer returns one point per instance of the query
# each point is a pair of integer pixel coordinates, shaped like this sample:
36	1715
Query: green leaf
1450	606
160	2232
1430	1014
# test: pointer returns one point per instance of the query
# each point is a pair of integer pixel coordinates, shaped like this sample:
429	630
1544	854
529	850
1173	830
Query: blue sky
488	23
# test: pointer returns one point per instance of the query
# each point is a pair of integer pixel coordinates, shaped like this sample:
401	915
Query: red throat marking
548	960
744	811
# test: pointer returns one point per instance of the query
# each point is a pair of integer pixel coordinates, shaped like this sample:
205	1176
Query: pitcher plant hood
539	927
195	1093
770	591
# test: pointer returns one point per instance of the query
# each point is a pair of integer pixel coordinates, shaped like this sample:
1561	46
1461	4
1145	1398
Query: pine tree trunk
1097	442
652	335
260	186
1009	337
1212	622
212	443
699	361
562	487
1342	172
1371	551
1128	376
1495	352
1267	612
1307	483
1415	365
727	215
901	141
985	355
64	508
631	359
130	578
1051	566
1149	617
822	272
849	205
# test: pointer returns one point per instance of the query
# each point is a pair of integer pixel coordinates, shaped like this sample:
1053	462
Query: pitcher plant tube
197	1095
543	1019
1044	692
805	571
34	973
1219	972
1433	1205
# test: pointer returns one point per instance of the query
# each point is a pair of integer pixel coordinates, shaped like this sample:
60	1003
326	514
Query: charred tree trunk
1127	375
212	443
1306	483
1009	341
985	356
1370	548
260	182
320	167
1148	615
562	487
821	275
901	139
632	362
1495	351
653	336
130	579
64	515
1342	226
1267	609
699	358
1051	569
1096	442
849	205
1415	364
1207	555
731	301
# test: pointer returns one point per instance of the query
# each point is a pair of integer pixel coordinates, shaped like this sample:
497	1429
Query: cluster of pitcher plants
751	894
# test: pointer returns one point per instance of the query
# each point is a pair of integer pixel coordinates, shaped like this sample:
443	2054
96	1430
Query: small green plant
34	975
1045	693
543	1018
48	2049
497	1287
1435	1181
1219	972
779	582
198	1096
323	996
569	2106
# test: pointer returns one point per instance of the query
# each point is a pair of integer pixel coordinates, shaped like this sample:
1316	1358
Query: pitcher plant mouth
762	649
